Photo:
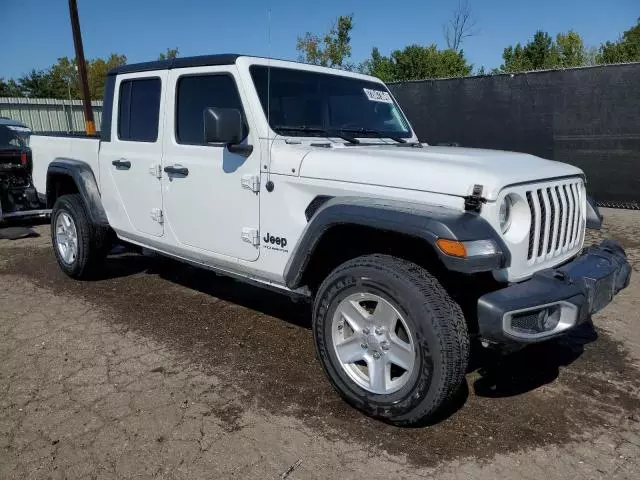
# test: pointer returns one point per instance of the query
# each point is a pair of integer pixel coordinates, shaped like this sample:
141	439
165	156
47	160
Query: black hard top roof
179	62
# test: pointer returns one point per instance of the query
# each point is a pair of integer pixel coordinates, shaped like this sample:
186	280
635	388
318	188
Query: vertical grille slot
567	217
532	228
543	222
552	218
572	221
560	218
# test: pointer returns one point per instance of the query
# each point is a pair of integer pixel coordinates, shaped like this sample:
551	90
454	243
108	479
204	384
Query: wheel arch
67	176
351	226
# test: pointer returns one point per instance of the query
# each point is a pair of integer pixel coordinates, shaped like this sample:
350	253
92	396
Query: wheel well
59	184
344	242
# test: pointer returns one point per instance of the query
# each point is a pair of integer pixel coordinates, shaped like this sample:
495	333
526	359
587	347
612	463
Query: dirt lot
160	370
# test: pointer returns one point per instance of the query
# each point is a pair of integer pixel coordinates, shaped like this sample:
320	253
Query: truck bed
47	147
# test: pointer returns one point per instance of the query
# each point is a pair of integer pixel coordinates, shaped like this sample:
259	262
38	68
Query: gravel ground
158	370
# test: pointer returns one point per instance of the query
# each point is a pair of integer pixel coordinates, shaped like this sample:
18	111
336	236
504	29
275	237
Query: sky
35	33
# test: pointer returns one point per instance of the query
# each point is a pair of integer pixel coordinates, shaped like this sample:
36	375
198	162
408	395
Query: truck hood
445	170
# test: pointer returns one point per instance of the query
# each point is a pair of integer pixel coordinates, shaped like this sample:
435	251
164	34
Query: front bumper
555	300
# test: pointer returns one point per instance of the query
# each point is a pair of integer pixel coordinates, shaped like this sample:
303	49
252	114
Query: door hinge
473	202
252	182
156	214
251	235
156	170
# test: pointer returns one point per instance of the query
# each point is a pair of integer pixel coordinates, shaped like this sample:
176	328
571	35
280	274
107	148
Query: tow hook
563	277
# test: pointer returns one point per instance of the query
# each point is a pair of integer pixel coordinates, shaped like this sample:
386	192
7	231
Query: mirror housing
223	125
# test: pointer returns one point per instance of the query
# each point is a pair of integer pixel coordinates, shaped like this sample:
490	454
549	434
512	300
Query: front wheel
391	340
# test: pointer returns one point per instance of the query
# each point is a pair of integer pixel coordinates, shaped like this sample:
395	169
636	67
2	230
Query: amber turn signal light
452	247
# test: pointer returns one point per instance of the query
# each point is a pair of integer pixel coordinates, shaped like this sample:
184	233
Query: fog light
544	321
548	319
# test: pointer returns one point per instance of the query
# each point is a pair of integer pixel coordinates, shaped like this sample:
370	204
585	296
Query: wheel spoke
354	314
378	375
66	238
384	316
400	353
349	350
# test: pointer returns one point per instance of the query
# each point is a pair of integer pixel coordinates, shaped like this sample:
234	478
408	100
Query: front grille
556	219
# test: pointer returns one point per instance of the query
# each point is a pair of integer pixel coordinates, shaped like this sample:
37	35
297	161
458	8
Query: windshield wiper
376	133
321	131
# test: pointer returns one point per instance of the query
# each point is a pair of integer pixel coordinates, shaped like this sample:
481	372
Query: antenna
269	184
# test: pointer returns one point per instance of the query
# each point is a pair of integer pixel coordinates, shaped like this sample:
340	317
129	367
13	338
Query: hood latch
473	202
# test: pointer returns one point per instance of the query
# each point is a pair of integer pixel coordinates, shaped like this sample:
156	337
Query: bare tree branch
462	25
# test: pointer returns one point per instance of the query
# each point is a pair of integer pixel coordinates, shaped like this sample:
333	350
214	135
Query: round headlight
504	215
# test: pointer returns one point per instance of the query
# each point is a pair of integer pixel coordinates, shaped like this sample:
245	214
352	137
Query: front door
209	200
130	161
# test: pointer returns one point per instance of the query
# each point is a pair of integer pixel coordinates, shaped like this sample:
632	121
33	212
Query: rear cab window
139	109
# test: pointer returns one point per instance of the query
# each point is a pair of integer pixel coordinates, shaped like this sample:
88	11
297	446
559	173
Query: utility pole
90	125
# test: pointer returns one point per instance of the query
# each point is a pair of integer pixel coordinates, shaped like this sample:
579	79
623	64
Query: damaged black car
18	197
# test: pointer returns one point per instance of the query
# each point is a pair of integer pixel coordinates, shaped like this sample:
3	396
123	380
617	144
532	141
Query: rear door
130	162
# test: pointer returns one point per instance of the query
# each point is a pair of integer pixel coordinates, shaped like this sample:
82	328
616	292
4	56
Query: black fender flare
422	221
85	181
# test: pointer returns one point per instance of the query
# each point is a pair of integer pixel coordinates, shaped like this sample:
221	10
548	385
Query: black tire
437	323
94	242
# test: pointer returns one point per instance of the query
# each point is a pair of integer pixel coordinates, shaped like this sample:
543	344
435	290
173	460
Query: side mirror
222	125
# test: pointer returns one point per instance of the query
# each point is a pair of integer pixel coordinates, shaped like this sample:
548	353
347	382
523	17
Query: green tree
571	50
540	53
61	79
67	76
97	70
417	62
626	49
40	84
378	66
9	88
169	54
332	49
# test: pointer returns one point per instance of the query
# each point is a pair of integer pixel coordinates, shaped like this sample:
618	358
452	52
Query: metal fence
47	114
588	117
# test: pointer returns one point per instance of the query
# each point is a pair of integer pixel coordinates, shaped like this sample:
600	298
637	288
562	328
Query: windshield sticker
377	95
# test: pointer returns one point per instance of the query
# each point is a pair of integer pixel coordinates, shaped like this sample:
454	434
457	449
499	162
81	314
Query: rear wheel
79	245
391	340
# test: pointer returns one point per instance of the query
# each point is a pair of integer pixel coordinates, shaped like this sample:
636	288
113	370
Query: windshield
12	136
307	103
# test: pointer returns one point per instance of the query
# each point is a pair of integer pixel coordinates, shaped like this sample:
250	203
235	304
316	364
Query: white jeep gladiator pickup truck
312	182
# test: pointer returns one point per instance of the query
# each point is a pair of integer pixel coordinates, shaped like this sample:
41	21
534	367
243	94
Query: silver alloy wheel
66	238
373	343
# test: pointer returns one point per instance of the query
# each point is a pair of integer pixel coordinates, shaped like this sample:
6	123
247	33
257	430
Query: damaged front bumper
556	300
